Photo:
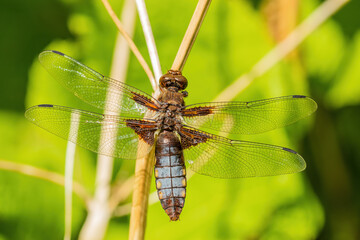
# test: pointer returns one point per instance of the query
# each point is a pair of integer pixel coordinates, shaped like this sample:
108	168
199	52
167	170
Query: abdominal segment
170	174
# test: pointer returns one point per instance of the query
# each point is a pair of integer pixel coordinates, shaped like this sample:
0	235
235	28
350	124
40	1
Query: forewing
92	87
249	117
105	134
220	157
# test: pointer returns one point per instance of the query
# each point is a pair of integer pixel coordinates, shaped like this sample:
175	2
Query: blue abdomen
170	174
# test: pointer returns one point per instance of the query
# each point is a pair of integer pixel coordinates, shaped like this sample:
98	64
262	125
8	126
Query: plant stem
53	177
293	40
120	192
149	38
140	201
190	35
130	42
69	173
99	212
143	167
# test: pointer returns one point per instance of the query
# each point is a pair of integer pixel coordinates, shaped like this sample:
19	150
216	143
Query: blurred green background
323	202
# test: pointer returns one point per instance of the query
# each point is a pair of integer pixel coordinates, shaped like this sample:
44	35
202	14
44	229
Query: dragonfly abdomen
170	174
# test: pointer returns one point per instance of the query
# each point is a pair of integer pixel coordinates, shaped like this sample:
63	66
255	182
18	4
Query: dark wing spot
45	105
60	53
289	150
298	96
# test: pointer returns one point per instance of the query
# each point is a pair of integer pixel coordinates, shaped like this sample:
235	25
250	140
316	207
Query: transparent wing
105	134
92	87
249	117
220	157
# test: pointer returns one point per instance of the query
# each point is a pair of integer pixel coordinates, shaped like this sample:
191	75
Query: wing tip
45	53
308	98
30	111
300	161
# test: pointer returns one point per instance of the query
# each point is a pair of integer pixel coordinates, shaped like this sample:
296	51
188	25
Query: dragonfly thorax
169	123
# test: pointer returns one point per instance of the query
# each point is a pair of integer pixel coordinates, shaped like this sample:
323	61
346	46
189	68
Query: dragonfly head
173	81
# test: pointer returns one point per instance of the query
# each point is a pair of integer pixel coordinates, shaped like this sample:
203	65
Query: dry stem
121	191
53	177
69	173
130	42
150	42
143	173
143	167
190	35
99	212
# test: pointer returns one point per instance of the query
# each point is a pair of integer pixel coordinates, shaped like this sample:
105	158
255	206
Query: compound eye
165	80
182	82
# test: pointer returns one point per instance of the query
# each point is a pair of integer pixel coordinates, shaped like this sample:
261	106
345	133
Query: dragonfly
142	122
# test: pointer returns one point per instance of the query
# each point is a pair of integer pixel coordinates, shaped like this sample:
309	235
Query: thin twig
100	213
121	191
53	177
293	40
132	45
69	173
122	210
149	38
190	35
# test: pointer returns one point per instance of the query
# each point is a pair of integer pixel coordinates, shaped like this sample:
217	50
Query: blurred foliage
322	203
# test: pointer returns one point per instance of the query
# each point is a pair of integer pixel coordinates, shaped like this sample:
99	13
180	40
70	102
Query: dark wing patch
191	137
145	129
